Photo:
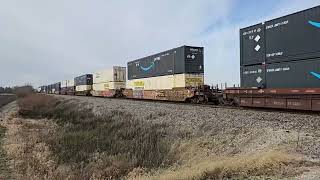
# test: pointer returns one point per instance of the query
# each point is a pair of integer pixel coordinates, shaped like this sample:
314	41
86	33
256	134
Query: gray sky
44	41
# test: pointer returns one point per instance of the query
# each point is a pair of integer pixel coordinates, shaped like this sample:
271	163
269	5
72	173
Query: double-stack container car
280	63
173	75
109	83
83	85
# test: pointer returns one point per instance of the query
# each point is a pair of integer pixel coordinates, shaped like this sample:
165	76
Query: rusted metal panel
178	94
105	93
300	104
258	102
316	105
292	91
276	103
247	102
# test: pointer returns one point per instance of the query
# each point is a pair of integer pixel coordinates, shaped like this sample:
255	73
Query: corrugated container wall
294	74
293	37
181	60
252	40
289	52
167	82
253	76
70	83
81	88
83	80
116	74
63	84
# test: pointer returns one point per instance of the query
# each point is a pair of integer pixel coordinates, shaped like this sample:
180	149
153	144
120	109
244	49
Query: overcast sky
46	41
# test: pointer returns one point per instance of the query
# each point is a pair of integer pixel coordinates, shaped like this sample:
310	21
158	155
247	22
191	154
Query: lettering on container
138	84
194	81
275	54
276	25
278	69
258	71
257	30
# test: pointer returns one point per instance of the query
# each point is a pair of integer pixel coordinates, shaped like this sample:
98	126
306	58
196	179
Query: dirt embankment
82	138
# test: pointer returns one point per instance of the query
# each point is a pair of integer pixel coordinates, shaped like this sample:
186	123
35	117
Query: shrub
24	91
36	106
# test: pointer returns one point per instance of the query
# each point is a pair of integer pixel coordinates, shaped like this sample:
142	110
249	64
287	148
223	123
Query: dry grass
76	144
31	157
197	163
24	91
105	147
36	106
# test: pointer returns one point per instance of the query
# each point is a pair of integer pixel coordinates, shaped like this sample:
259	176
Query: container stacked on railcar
64	87
83	85
174	75
280	62
109	83
71	89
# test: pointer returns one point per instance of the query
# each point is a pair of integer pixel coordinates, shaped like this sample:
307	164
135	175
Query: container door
252	45
253	76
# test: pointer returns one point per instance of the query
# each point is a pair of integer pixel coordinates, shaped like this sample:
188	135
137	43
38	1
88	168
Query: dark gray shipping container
253	76
252	43
185	59
294	74
50	88
57	88
293	37
86	79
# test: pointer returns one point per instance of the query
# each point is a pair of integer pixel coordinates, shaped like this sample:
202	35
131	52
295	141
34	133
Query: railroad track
208	105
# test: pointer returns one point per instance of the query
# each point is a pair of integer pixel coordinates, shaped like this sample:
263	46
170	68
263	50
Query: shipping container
82	88
167	82
116	74
181	60
252	43
70	83
108	86
253	76
295	74
293	37
83	80
63	84
56	88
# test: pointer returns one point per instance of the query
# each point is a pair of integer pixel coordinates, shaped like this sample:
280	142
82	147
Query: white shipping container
109	86
70	83
116	74
83	88
167	82
63	84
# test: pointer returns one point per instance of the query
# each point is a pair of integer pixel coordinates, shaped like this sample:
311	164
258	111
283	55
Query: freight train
279	65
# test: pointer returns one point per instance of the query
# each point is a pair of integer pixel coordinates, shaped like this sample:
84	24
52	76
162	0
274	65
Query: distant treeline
16	89
8	90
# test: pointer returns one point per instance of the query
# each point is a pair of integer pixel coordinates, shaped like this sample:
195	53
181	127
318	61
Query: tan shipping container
109	86
167	82
63	84
83	88
116	74
70	83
